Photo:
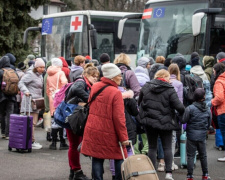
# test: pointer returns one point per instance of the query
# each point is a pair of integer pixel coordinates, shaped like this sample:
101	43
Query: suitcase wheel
9	148
30	150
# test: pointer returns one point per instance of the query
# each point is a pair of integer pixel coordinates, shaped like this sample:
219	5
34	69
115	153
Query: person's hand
125	143
27	94
82	104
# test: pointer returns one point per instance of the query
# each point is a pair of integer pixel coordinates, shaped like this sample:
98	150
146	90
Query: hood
201	106
4	62
197	70
11	58
53	70
48	64
222	76
64	62
158	86
208	61
128	94
75	67
140	69
180	61
143	61
123	67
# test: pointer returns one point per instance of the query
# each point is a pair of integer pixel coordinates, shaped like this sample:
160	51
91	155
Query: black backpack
191	82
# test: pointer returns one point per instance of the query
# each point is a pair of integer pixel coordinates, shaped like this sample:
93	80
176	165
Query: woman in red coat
106	124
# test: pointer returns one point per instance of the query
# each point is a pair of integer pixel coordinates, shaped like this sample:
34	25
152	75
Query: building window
45	9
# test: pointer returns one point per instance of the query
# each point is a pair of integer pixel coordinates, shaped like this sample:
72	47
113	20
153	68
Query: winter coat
106	124
208	64
198	71
49	63
75	72
154	68
212	81
5	63
131	79
219	94
178	86
141	75
198	119
131	110
54	74
65	68
159	101
30	83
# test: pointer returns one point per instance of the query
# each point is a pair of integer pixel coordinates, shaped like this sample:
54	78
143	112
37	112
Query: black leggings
166	138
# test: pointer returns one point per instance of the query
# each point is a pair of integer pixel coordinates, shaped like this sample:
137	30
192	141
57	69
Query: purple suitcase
20	131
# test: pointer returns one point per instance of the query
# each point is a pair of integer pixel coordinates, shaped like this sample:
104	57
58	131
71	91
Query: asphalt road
46	164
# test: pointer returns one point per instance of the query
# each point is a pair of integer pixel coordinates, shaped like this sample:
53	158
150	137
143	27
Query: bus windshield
60	41
166	29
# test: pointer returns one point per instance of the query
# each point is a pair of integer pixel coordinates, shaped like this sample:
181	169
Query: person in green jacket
208	62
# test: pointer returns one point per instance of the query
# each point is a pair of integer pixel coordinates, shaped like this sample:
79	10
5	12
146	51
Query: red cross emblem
76	23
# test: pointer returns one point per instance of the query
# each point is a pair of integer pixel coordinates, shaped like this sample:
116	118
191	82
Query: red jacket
106	124
65	68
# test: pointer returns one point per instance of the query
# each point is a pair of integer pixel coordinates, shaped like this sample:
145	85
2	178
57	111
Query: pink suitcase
20	131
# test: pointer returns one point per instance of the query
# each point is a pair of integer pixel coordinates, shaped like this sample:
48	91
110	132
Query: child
198	119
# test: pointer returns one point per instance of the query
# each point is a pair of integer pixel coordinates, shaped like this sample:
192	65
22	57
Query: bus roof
156	1
89	12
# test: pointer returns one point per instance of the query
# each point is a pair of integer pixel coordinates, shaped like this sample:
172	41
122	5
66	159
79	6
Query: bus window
104	45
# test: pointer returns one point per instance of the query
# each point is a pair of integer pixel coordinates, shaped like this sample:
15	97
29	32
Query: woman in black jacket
158	101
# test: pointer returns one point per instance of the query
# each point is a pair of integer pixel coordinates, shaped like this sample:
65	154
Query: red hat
88	57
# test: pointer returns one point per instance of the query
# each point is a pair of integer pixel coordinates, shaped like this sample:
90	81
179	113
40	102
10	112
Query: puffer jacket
131	79
5	63
208	64
219	94
198	119
54	74
75	72
106	124
159	101
198	71
141	75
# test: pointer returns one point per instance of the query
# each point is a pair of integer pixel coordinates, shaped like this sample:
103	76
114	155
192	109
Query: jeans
192	146
166	138
221	123
6	109
98	170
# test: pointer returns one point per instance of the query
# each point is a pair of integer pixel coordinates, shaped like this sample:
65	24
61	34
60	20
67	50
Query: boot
63	145
54	137
71	174
80	176
48	137
53	146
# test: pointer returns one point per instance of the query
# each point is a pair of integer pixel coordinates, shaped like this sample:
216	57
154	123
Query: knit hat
88	57
199	94
194	59
220	56
104	58
188	67
31	57
21	66
110	70
143	62
39	62
56	62
31	62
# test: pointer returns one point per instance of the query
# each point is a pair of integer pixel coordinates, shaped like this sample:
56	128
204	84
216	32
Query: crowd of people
146	105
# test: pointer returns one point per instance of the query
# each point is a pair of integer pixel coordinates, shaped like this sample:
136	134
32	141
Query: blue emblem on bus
47	26
159	12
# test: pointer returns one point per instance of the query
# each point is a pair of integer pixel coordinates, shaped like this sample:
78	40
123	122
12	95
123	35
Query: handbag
78	118
57	88
37	104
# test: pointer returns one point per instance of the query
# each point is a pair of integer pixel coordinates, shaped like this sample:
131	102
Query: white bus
169	27
84	33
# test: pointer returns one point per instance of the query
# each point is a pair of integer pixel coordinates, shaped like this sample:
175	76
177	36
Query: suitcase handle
29	105
121	148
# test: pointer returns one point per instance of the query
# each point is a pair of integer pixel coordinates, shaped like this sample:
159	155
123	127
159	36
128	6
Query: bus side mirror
93	35
197	22
121	27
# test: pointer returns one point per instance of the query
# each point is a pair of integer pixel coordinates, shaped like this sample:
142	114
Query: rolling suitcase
219	140
183	152
20	131
137	167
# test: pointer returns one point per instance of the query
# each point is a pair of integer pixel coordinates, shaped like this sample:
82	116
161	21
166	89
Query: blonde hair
162	74
90	70
79	60
160	59
174	69
122	58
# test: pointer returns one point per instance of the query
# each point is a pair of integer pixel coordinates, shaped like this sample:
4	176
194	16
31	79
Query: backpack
11	79
191	82
60	95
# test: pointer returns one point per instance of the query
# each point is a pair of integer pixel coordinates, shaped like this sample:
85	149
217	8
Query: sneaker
80	176
206	177
7	138
39	123
3	136
177	154
169	176
190	177
221	159
161	167
36	145
174	166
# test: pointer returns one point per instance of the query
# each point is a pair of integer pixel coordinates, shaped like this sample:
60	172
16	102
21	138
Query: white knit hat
110	70
39	63
56	62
